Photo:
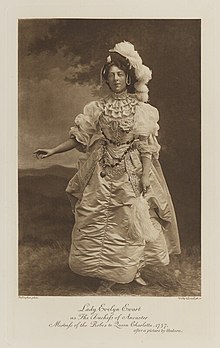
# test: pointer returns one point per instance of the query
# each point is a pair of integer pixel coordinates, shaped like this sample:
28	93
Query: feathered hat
142	73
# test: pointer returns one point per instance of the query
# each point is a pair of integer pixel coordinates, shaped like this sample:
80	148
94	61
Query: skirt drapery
101	246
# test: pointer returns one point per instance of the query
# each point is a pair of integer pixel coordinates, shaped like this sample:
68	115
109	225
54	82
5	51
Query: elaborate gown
107	187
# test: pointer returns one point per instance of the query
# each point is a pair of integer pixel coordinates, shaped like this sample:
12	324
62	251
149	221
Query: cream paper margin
25	322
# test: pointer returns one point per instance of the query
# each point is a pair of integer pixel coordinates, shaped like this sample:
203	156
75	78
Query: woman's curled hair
123	64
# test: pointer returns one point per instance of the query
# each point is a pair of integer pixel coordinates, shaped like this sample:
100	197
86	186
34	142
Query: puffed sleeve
146	130
86	124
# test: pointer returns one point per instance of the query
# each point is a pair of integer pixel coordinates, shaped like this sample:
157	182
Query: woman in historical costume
124	216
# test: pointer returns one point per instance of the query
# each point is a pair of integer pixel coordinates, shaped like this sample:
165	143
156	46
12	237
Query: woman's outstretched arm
65	146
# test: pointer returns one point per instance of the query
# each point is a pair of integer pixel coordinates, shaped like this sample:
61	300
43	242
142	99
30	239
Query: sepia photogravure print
109	162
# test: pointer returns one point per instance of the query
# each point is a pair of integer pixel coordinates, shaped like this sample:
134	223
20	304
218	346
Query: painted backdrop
59	69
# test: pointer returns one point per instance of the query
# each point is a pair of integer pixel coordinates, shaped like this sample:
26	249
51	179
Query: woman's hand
66	146
145	183
43	153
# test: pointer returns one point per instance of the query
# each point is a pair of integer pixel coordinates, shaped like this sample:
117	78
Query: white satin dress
107	185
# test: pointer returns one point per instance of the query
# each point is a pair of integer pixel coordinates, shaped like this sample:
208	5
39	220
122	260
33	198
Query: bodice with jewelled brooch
116	123
117	117
110	131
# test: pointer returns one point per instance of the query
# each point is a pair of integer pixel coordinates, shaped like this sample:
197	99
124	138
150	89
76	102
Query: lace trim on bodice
118	112
119	105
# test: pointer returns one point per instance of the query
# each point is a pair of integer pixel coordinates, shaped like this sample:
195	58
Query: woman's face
116	79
